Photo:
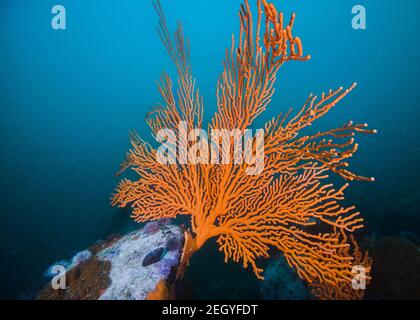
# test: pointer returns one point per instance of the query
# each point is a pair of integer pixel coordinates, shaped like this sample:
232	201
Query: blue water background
68	99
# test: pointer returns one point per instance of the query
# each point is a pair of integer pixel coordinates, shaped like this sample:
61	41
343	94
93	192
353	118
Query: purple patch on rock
173	244
112	253
165	222
151	228
166	266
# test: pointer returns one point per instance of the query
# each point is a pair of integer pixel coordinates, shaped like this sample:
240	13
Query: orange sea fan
341	287
289	206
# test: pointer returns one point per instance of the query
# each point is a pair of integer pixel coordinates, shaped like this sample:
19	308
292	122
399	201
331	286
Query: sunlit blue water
68	99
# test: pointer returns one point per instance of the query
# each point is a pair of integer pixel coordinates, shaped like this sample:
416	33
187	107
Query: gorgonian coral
289	206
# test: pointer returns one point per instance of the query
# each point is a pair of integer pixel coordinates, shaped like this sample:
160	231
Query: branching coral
352	260
289	206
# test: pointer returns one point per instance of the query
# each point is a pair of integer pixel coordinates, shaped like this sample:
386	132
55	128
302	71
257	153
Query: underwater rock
154	226
86	281
136	266
282	283
151	228
68	265
100	245
173	244
395	270
410	236
81	257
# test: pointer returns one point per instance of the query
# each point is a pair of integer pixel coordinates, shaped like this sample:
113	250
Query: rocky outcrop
140	265
395	269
